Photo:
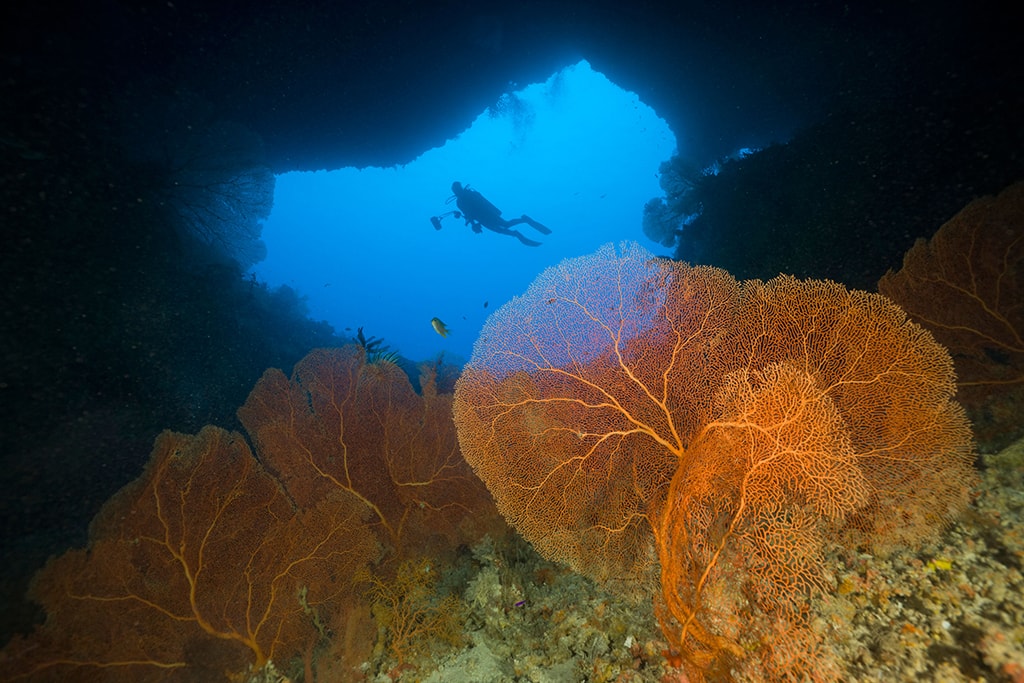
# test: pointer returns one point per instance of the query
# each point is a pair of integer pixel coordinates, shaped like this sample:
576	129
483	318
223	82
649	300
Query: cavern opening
576	152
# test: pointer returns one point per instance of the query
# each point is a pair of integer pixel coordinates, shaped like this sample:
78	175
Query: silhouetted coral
966	286
627	408
212	174
375	349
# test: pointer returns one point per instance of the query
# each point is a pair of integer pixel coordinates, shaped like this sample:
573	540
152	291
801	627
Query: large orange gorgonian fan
630	412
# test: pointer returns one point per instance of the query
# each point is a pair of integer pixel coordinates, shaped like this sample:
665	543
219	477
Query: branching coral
409	611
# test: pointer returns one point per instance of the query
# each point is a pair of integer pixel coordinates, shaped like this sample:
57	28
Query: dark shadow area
126	310
327	85
846	198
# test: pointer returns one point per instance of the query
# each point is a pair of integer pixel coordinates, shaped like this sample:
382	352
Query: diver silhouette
480	213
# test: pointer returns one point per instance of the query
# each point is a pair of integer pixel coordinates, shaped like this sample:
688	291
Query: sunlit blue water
577	154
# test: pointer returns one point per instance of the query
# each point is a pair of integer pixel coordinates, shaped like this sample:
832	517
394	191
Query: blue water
575	153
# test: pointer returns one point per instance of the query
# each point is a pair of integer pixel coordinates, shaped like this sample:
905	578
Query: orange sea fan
627	408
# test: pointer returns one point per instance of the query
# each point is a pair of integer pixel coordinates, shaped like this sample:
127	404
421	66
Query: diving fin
537	226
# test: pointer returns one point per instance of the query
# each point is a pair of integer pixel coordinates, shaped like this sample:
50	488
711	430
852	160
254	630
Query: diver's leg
529	221
525	240
501	230
504	230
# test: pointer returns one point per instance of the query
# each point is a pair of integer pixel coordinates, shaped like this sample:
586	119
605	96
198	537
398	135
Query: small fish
439	327
485	303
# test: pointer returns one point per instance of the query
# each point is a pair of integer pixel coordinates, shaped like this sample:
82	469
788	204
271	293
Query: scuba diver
480	213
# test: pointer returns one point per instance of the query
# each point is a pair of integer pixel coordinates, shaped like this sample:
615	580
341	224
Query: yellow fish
439	327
